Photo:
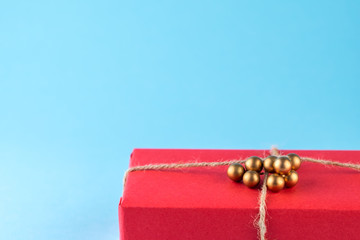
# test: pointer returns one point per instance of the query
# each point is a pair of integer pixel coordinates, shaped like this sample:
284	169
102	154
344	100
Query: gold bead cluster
282	170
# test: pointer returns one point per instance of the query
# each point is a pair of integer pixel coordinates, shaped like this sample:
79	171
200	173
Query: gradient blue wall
82	83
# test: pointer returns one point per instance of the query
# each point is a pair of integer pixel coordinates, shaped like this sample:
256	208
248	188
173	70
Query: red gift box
203	203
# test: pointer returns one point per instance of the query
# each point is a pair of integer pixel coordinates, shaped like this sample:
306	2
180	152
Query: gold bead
295	161
251	179
291	179
235	172
275	182
269	164
282	165
254	164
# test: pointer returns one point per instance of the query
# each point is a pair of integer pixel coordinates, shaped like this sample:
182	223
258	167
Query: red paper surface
202	203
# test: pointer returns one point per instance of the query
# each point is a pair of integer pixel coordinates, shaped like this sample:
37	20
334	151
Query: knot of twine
261	218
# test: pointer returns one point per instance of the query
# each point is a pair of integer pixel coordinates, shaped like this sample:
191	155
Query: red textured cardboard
202	203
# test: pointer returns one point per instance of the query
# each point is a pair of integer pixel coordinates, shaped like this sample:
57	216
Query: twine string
178	165
261	222
332	163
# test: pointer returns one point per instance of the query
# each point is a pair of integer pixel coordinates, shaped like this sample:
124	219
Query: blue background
82	83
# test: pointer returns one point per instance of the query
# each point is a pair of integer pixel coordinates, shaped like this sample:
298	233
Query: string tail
261	223
274	151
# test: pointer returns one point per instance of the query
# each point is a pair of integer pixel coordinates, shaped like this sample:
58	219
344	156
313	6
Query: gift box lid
319	186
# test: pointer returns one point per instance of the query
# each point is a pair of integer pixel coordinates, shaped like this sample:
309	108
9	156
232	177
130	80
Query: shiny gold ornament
291	179
275	182
254	164
282	165
295	161
235	172
269	164
251	179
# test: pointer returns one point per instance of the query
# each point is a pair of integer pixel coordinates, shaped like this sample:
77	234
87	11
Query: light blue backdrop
82	83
